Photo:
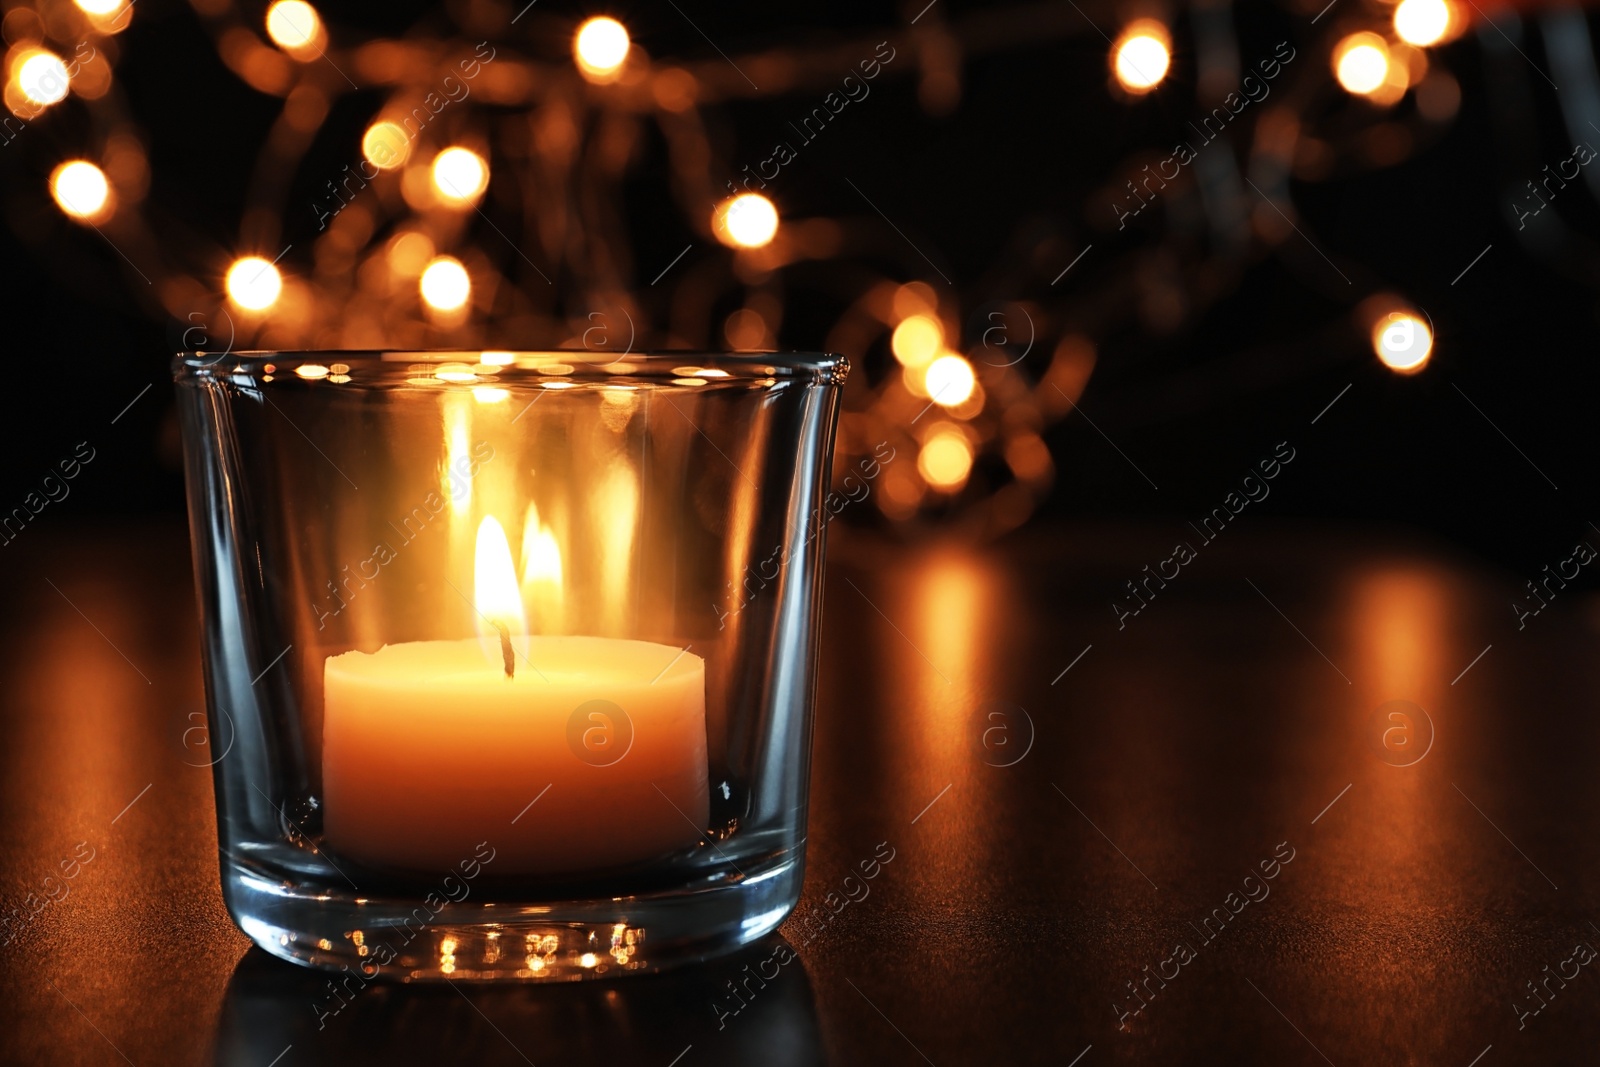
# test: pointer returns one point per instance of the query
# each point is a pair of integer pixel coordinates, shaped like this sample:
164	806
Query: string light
385	145
460	175
445	284
1422	22
42	77
916	340
254	283
949	380
1402	341
294	26
747	221
1361	63
945	459
80	189
1142	55
383	239
600	47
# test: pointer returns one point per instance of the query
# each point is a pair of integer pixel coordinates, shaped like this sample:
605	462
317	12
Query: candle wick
505	648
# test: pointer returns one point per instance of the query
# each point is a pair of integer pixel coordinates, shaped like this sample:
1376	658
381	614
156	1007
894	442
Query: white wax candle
428	748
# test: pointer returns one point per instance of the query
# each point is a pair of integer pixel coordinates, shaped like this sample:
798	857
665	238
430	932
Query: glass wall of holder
509	656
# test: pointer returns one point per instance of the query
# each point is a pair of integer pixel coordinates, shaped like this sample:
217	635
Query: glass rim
487	365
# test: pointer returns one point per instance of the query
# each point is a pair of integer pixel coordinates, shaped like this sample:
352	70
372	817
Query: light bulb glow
949	380
1422	22
293	25
917	340
80	189
600	48
254	283
1361	63
1141	56
445	284
1402	341
945	460
43	78
747	221
385	145
460	175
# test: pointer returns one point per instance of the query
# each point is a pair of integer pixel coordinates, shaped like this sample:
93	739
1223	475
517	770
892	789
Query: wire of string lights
482	205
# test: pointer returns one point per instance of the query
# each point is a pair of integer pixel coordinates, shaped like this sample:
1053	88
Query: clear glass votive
509	656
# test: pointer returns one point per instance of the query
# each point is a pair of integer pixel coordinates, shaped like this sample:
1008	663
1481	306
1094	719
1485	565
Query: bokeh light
460	175
254	283
42	77
1361	63
1422	22
600	48
747	221
445	284
80	189
100	7
385	145
917	340
949	380
1141	56
294	26
409	253
1402	341
945	459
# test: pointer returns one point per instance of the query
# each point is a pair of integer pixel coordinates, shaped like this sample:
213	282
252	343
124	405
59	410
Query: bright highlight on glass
917	340
385	145
600	48
254	283
460	174
293	25
80	189
1361	63
747	221
945	460
42	77
1141	56
1402	341
445	284
949	380
1422	22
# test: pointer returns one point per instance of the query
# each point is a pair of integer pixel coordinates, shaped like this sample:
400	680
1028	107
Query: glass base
377	938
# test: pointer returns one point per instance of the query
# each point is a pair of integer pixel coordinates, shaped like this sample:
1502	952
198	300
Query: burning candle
566	754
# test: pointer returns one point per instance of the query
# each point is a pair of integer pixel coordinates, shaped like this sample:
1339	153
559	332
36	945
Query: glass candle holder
509	656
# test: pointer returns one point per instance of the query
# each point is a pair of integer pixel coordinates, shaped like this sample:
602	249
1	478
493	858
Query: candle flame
494	586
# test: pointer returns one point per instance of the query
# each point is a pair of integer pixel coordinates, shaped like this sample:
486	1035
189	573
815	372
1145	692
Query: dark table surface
1067	803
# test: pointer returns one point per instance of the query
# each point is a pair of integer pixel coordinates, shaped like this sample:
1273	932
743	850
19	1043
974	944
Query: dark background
1019	163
